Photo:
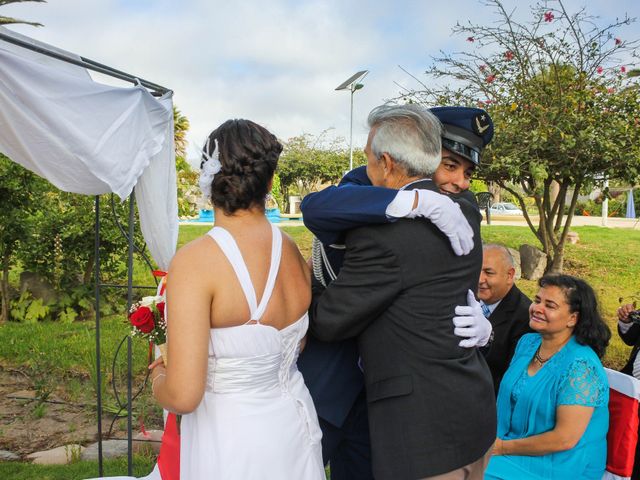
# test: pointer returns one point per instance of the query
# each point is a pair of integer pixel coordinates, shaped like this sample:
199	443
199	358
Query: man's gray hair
410	134
507	258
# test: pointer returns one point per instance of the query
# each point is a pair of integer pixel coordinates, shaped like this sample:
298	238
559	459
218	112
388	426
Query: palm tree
9	20
180	127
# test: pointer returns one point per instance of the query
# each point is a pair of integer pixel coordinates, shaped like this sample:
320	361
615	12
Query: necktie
485	310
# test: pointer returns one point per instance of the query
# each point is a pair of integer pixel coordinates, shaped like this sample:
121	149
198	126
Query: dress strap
230	248
276	255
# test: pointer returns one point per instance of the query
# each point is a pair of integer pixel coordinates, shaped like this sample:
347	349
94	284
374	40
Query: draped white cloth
157	198
89	138
70	68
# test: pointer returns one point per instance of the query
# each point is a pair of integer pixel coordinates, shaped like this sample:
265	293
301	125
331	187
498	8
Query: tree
9	20
62	246
565	117
306	163
187	177
20	192
50	233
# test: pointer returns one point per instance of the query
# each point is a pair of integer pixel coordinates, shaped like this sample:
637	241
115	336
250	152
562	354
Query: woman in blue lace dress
552	404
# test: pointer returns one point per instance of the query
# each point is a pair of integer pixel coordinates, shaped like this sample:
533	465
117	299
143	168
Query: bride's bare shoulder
198	254
292	252
290	246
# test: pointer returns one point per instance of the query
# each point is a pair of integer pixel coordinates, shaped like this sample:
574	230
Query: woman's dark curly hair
249	155
590	329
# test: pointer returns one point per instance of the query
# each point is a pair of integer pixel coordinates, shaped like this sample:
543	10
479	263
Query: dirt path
27	426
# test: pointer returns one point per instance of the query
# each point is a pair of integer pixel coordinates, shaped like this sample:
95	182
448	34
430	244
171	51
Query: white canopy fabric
89	138
157	198
70	68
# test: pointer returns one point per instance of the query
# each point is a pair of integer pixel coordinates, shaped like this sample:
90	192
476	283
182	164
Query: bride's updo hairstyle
249	155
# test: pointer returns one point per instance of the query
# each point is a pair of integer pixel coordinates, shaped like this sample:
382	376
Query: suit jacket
510	321
632	337
431	403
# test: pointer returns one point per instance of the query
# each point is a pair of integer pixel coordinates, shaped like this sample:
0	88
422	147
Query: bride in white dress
237	302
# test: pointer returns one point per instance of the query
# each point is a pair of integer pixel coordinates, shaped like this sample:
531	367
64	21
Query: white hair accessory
209	168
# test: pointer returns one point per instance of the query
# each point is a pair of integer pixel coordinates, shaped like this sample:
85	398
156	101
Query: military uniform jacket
510	321
330	369
431	403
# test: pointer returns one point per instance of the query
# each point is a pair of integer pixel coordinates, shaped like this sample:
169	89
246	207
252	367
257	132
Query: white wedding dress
256	419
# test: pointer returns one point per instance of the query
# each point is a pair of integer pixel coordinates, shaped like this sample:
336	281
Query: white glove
445	214
471	324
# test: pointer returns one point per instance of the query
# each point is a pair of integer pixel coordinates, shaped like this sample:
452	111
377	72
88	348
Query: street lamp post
352	84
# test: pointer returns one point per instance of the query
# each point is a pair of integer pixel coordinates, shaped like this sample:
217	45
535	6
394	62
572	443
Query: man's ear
387	164
511	274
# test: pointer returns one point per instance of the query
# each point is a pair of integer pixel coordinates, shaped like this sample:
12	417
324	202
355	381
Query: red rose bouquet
148	321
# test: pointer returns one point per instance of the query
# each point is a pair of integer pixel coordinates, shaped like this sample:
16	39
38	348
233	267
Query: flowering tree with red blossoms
566	113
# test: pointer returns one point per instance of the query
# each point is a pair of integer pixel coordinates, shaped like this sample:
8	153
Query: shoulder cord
318	259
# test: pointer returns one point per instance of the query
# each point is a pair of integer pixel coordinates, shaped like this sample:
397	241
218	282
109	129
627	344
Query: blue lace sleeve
582	384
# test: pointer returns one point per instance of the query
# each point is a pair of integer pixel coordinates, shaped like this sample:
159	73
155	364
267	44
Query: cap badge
480	124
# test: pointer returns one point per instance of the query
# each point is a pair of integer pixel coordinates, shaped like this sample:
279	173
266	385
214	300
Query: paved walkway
578	221
284	223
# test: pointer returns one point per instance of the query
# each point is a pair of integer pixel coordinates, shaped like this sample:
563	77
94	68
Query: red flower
599	70
610	90
160	307
470	39
490	78
623	69
618	41
482	68
548	17
508	55
142	319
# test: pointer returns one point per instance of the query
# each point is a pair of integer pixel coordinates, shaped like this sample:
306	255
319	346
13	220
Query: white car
504	208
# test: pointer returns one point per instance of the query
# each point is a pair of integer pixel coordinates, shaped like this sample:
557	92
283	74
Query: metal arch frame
155	90
99	285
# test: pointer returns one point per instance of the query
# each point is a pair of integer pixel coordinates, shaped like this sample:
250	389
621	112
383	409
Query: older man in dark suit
330	369
506	307
431	403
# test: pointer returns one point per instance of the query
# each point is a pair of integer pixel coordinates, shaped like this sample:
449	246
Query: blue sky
276	62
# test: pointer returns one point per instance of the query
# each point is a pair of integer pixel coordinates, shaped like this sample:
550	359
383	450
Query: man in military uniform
331	368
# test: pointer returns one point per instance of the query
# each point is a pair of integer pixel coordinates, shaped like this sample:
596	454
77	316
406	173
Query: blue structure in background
631	208
273	215
206	216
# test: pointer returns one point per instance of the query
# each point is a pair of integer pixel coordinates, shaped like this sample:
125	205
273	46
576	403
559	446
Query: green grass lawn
142	466
609	259
62	356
